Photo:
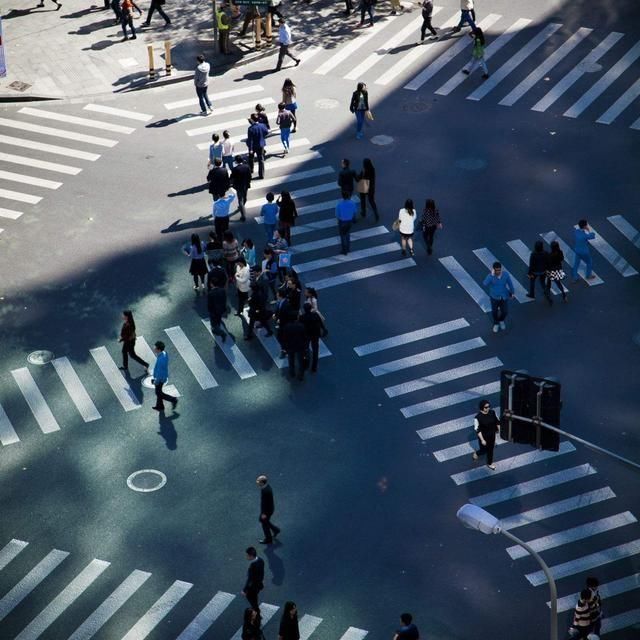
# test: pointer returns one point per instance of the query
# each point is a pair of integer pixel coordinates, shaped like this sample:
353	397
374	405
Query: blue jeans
359	121
588	263
344	228
227	161
269	229
465	16
203	98
499	309
284	136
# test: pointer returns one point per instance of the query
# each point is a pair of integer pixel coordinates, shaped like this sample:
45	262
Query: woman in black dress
289	623
128	339
555	273
198	254
486	425
287	215
366	187
251	626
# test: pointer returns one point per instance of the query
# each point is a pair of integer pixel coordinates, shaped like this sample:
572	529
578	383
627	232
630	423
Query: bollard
167	56
152	71
268	34
258	31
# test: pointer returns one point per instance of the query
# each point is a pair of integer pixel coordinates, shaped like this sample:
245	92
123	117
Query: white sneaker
496	328
503	326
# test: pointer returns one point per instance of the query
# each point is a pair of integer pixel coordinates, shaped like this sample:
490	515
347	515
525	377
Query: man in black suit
267	507
255	578
315	329
218	179
295	343
241	181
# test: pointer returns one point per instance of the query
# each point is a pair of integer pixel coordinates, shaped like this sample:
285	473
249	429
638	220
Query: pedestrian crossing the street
122	605
558	503
33	141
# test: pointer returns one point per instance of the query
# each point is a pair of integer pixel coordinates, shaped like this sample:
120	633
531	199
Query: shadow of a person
276	566
167	430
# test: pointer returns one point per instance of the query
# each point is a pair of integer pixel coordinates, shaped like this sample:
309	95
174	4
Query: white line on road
216	96
19	196
323	263
612	256
34	182
115	379
76	389
229	124
454	398
10	213
450	426
57	133
83	122
40	164
334	241
49	148
308	624
293	177
10	551
467	282
188	353
38	405
629	618
607	590
626	229
620	104
363	273
353	633
119	113
233	354
459	450
8	434
203	621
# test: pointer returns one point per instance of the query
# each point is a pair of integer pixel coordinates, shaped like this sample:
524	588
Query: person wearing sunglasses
486	425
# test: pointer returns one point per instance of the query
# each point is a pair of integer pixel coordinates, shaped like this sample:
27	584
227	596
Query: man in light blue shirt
345	214
500	290
160	377
581	237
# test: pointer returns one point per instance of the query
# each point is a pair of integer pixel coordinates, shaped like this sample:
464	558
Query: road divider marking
115	379
203	621
10	551
82	122
352	276
78	394
57	133
467	282
233	354
119	113
34	398
188	353
476	393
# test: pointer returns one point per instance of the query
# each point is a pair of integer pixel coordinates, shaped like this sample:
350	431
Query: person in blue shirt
269	213
256	142
160	377
407	630
581	237
345	214
500	290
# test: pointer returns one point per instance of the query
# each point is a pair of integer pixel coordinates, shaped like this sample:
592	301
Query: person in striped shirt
581	626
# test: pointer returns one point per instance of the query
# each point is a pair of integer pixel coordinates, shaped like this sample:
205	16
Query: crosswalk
128	595
581	63
191	364
555	499
29	166
313	185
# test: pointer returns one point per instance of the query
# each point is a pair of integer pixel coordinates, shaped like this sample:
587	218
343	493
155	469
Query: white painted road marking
307	625
325	263
19	196
620	104
220	96
115	379
450	426
38	405
119	113
31	180
362	273
188	353
40	164
467	282
454	398
353	633
626	229
203	621
57	133
233	354
607	590
333	241
83	122
49	148
612	256
8	434
459	450
10	213
10	551
76	389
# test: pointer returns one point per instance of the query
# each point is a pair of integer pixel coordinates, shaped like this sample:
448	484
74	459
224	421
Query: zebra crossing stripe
10	551
110	606
523	252
607	79
308	624
577	72
344	53
523	54
203	621
487	258
299	229
353	633
569	257
361	274
515	462
447	401
411	336
40	164
333	241
574	534
467	282
426	356
267	611
532	486
295	177
75	389
119	113
620	104
34	182
49	148
57	133
63	600
230	124
541	71
83	122
586	563
21	590
274	148
491	49
636	125
115	379
612	256
556	508
146	353
188	353
441	61
450	426
302	158
10	213
607	590
459	450
233	93
620	621
626	229
19	197
158	610
270	344
323	263
8	434
416	53
232	353
250	105
38	405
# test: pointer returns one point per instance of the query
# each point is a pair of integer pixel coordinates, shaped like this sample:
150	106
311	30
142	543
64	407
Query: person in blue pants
581	237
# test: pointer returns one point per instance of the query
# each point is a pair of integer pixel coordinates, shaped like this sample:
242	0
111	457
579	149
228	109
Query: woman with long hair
555	273
290	100
366	187
252	625
359	106
198	253
289	629
287	215
128	339
429	223
407	219
477	54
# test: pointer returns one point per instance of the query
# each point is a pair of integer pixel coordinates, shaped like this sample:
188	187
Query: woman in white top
407	219
227	150
243	277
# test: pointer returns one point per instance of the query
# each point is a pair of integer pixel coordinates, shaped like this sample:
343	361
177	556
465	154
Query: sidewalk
74	53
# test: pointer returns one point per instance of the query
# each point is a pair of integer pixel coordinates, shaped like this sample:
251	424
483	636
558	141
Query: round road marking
147	480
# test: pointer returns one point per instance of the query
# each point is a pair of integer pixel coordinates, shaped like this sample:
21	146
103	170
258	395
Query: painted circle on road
327	103
382	140
40	357
146	480
471	164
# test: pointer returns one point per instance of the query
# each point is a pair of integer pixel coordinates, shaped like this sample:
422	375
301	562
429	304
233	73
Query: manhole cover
19	86
327	103
382	140
471	164
146	480
40	357
590	67
416	107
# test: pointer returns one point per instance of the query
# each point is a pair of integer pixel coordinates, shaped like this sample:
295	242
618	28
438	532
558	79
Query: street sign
3	62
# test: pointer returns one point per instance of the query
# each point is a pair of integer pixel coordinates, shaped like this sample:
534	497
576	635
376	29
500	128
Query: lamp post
473	517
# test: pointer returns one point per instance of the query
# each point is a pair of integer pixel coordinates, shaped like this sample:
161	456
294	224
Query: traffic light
537	399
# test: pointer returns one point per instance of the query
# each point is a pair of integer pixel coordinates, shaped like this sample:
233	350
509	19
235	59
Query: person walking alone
427	13
128	339
500	290
156	5
359	106
555	273
581	237
486	425
284	36
284	120
429	223
290	99
289	628
477	54
201	81
126	17
406	226
366	187
345	214
267	507
160	377
538	265
255	578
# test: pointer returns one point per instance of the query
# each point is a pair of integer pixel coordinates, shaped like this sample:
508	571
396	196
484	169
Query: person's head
159	346
262	480
217	162
251	552
484	405
555	246
310	292
241	262
239	159
346	195
247	242
268	253
346	163
430	204
586	594
285	196
212	236
479	34
259	108
228	236
367	165
288	84
281	106
592	583
538	247
200	59
408	205
270	197
276	234
282	21
215	137
195	239
225	134
361	87
406	618
291	282
253	118
127	316
497	268
290	609
583	224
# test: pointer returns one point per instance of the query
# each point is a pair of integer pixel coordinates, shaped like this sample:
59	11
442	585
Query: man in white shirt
284	36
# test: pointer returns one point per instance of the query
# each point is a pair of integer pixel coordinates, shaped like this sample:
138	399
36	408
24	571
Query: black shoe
158	408
123	368
175	402
456	29
265	541
485	76
134	37
466	72
297	62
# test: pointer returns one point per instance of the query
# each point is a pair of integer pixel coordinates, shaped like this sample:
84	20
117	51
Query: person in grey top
201	80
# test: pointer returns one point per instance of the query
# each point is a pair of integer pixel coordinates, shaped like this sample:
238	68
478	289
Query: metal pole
552	583
512	383
216	47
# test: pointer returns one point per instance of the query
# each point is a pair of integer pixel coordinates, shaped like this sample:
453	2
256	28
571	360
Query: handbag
396	225
284	260
368	115
362	186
